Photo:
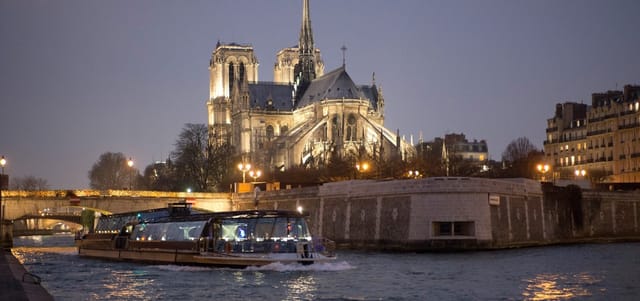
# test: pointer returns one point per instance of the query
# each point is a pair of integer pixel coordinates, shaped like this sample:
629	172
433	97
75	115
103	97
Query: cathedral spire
306	35
305	70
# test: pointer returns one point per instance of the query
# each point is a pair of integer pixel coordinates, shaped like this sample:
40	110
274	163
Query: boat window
172	231
290	228
238	229
260	229
264	228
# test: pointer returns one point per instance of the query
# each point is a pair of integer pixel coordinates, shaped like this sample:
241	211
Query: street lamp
244	167
362	167
3	162
414	174
255	174
580	173
543	169
130	164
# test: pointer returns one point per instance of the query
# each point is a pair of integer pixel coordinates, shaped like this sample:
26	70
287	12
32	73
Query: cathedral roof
336	84
279	94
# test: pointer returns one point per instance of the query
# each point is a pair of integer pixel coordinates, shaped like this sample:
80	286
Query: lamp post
543	169
362	167
580	173
244	168
255	174
3	162
130	164
414	174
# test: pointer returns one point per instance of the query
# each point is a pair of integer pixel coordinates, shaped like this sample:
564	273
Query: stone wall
422	214
417	215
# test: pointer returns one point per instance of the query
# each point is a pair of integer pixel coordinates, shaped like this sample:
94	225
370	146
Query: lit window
573	160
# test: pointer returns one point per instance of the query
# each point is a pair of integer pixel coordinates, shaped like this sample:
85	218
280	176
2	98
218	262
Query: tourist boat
179	234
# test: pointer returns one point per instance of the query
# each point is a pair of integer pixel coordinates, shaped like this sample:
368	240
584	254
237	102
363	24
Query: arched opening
231	76
241	72
351	128
269	132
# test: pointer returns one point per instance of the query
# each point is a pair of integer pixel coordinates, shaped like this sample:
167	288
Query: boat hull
187	257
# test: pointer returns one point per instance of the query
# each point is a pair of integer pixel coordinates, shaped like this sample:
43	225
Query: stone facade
601	139
303	117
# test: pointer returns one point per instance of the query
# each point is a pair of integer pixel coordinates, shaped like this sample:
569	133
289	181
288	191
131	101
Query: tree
518	149
520	158
112	172
30	183
190	157
199	165
160	176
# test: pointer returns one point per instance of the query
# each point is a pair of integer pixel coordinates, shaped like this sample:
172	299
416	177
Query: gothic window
231	76
241	71
269	132
334	127
284	129
351	128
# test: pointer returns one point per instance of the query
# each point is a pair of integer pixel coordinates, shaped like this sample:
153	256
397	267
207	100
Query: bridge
24	203
33	224
38	212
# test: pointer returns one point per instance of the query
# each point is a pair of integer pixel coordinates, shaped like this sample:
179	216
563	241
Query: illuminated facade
304	116
602	139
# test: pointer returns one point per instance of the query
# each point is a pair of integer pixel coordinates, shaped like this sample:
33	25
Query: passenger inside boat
266	234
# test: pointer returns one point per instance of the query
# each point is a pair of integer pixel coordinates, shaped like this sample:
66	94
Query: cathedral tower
229	65
305	70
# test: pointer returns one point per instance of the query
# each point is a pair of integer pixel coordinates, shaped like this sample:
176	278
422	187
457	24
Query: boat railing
158	244
324	246
96	236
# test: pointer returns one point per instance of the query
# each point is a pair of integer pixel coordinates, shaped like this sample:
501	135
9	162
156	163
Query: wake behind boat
182	235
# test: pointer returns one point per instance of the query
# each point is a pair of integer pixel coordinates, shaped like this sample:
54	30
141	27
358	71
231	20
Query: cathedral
303	117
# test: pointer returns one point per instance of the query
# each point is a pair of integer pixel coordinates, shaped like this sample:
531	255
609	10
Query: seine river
575	272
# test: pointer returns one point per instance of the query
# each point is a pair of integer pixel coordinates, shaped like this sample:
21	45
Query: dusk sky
80	78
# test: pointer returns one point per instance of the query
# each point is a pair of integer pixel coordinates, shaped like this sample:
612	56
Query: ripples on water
579	272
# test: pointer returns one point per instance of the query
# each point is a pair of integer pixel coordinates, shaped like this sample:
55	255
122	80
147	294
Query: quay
16	283
430	214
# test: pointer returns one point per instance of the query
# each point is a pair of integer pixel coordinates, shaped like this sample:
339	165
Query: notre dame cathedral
303	117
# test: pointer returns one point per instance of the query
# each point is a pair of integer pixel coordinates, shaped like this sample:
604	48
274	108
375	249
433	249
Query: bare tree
30	183
199	165
111	172
518	149
520	158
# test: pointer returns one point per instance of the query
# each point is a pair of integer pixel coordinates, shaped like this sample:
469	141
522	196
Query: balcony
628	126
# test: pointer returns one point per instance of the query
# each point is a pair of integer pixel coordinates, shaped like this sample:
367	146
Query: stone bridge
19	204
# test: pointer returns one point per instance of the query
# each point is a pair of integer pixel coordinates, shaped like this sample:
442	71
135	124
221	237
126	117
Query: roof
280	95
336	84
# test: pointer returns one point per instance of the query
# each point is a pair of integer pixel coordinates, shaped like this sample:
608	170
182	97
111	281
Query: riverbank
16	283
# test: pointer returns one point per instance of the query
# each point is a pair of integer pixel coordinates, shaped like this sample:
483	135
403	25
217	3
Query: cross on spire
344	54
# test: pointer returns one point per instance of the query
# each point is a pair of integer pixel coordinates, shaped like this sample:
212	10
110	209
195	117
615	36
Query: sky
79	78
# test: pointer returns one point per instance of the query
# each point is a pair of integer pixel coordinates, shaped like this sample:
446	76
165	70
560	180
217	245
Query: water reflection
303	287
559	286
127	285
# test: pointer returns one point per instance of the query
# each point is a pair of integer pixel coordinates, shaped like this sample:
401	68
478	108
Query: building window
454	228
269	132
351	128
334	128
231	76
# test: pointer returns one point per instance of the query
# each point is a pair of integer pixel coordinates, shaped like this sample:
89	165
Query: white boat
180	235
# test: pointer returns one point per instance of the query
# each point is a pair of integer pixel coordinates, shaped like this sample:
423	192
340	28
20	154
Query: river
569	272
